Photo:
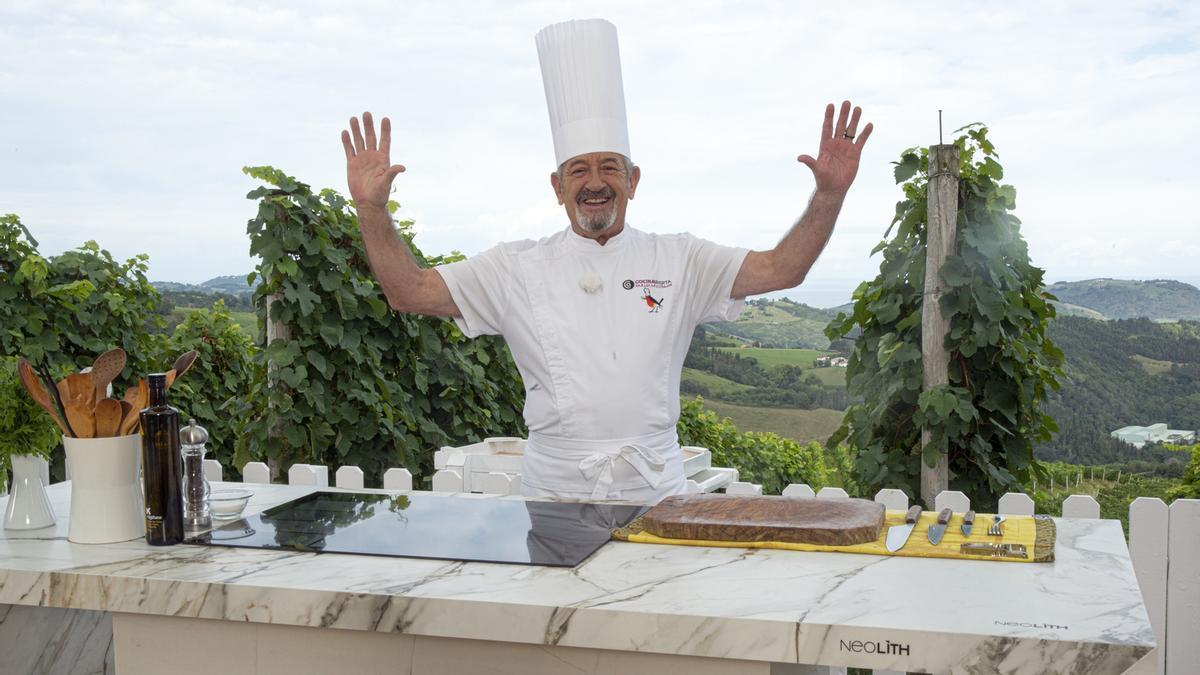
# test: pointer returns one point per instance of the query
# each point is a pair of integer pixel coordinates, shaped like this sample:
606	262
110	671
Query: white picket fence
1164	543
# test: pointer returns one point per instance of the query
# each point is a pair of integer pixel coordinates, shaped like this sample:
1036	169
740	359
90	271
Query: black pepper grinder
162	466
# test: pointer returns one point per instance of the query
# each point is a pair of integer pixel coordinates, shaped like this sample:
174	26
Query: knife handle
944	515
914	514
969	518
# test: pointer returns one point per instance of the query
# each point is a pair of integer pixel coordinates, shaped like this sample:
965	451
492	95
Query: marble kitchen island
629	608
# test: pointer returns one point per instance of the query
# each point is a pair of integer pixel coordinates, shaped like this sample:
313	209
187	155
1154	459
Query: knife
995	550
968	521
938	529
897	535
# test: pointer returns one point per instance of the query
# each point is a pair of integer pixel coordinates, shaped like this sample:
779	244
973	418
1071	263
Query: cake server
897	535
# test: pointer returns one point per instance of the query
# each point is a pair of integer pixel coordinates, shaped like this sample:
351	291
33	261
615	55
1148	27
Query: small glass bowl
228	504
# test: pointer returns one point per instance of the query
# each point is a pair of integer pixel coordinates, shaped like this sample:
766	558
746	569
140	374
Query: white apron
645	468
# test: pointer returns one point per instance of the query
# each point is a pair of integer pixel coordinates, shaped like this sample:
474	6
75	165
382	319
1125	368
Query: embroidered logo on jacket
652	302
630	284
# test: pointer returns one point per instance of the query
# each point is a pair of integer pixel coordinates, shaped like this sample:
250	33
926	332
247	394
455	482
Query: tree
65	310
355	383
989	415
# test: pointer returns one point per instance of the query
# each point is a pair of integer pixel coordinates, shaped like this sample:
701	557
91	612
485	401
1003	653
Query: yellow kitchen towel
1036	533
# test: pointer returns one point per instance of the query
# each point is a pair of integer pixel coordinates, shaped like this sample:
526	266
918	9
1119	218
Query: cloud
129	122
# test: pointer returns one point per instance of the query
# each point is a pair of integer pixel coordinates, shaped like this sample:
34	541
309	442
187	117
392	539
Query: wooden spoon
82	419
108	418
140	401
38	392
106	368
184	362
129	419
126	413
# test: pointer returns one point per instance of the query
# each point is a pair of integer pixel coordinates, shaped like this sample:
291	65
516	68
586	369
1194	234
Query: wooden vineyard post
939	244
276	330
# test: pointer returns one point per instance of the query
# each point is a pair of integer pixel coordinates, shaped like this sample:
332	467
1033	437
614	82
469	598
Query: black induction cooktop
431	526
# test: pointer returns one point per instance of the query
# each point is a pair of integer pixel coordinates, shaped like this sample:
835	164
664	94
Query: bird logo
653	303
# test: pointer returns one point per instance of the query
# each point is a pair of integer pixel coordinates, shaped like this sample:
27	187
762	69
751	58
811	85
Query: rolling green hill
1121	372
778	323
234	284
1067	309
712	385
1157	299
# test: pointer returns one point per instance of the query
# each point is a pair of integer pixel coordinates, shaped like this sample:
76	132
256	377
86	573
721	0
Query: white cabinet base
152	645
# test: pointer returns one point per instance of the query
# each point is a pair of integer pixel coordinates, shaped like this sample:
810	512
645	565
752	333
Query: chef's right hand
369	171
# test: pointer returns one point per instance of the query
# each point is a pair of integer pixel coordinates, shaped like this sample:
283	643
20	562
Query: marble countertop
1081	614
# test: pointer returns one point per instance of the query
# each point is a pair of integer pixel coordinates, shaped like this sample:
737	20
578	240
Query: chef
600	314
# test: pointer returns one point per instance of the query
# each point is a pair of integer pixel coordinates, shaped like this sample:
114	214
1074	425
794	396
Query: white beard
598	222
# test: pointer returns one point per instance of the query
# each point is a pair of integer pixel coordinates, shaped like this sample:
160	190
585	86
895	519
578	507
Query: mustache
606	193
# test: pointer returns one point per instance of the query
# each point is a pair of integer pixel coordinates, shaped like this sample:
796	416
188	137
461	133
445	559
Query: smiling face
595	189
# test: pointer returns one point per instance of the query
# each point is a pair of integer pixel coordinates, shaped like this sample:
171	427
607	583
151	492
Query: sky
128	123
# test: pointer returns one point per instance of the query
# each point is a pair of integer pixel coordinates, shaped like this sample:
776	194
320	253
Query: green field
247	320
830	377
1153	366
716	385
801	425
769	358
716	340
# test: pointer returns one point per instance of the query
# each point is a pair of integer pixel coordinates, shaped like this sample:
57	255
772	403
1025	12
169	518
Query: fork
996	530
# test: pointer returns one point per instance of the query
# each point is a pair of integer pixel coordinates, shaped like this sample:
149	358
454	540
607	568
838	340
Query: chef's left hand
837	161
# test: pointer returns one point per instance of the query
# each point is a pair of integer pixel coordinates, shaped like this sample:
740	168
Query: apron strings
598	467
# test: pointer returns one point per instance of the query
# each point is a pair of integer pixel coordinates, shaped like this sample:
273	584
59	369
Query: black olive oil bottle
162	467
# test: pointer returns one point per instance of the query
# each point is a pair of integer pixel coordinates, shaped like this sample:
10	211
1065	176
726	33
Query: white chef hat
581	71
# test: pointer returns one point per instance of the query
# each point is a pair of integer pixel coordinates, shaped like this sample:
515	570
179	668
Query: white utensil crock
106	489
28	504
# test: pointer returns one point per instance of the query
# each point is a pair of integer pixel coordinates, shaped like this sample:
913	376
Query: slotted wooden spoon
105	369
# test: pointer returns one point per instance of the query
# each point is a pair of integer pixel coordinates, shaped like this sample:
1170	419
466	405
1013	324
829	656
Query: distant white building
1155	433
831	362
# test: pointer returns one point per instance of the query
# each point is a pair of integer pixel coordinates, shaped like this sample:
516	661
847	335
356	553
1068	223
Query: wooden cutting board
800	520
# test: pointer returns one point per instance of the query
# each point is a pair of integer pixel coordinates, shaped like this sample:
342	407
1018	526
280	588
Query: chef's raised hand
837	160
369	170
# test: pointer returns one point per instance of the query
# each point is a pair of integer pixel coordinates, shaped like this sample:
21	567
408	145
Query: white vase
106	489
28	504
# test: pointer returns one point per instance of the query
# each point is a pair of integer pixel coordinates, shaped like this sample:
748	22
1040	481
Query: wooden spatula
129	419
38	392
108	418
82	418
124	428
55	397
105	369
81	390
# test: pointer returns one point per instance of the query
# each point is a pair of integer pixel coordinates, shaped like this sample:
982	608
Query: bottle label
153	523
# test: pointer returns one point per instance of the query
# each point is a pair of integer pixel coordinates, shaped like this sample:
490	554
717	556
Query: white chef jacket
601	368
